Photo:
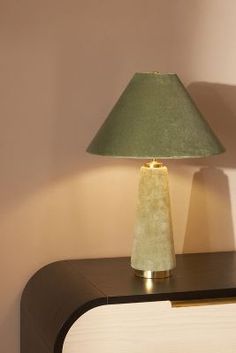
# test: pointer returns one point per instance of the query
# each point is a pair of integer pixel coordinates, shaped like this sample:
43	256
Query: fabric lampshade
155	117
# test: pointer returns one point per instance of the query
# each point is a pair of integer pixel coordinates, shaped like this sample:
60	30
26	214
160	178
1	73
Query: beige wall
63	64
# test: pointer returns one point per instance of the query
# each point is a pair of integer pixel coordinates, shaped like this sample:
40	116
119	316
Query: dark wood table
59	293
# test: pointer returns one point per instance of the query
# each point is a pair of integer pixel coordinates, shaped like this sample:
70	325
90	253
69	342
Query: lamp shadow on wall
209	222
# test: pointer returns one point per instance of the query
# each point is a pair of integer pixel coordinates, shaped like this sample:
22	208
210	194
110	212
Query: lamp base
153	274
153	254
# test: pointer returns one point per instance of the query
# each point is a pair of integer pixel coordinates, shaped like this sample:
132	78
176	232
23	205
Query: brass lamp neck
153	164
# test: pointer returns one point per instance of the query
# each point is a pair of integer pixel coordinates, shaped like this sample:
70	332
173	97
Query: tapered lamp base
153	253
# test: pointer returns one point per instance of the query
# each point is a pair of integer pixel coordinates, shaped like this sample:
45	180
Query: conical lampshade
155	117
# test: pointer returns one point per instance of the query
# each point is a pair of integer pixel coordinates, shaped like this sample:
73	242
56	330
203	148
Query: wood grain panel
154	327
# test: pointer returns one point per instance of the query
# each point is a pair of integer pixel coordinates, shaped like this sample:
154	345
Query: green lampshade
155	117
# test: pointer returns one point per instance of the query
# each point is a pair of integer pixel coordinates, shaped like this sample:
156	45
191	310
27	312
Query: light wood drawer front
154	327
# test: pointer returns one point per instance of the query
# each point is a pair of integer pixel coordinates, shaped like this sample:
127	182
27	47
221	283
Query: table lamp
154	118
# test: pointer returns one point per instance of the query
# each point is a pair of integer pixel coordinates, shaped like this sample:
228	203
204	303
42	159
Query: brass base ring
153	274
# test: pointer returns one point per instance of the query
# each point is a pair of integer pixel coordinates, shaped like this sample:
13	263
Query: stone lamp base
153	254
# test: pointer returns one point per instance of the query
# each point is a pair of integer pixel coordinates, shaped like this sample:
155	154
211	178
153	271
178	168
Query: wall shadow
209	224
217	102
